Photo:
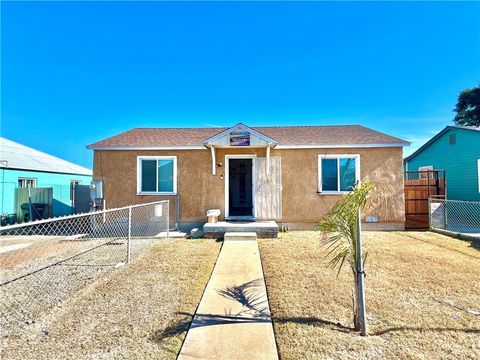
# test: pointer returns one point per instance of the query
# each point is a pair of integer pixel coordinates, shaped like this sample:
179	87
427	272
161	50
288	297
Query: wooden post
360	279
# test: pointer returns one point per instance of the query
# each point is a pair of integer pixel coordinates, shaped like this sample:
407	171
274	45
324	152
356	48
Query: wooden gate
419	186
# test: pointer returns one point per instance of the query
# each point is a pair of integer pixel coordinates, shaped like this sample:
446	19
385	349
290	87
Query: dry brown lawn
423	298
140	311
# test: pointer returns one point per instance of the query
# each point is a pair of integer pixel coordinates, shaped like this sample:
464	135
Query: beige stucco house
290	174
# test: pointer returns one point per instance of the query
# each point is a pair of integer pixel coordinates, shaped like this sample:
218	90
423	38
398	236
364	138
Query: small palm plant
342	240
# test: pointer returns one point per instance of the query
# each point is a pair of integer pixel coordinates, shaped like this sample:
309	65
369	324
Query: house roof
285	136
433	139
17	156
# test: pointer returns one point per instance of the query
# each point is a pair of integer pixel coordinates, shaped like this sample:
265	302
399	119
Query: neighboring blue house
455	149
22	166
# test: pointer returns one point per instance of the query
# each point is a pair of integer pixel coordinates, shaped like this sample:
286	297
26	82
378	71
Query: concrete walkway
233	318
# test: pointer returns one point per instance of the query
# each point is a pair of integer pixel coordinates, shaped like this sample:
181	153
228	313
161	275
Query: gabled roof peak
219	139
439	134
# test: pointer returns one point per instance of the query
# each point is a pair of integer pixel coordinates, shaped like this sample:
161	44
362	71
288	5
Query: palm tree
342	240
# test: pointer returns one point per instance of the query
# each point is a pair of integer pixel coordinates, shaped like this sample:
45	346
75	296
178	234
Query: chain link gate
455	216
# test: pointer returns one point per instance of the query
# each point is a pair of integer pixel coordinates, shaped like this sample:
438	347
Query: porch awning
238	136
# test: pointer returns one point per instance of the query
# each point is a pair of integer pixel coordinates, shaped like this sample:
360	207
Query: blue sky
75	73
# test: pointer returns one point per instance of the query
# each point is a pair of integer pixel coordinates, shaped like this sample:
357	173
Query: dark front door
240	187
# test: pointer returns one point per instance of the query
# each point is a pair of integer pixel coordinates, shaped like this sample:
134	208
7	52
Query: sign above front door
239	138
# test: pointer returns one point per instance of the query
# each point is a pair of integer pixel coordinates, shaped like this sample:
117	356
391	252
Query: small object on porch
212	215
196	233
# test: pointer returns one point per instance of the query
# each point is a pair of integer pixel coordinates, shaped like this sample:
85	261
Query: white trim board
279	147
192	147
227	180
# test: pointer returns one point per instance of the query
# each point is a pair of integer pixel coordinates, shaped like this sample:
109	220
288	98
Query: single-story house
23	167
290	174
455	149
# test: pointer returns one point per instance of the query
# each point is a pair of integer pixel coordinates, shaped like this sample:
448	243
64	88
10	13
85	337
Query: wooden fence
419	186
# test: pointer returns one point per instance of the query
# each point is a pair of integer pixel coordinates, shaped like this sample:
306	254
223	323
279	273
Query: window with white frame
27	182
157	175
338	173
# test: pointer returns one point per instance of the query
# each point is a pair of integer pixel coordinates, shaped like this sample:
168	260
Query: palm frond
339	227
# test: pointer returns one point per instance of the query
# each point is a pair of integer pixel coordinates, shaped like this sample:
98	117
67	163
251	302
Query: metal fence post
129	233
429	213
168	219
445	220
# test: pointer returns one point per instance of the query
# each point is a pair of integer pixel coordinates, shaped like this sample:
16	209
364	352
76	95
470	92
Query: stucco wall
198	190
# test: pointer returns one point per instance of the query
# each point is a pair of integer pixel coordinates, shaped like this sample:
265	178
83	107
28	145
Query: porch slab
263	229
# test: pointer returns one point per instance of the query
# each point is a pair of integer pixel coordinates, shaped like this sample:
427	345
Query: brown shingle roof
284	135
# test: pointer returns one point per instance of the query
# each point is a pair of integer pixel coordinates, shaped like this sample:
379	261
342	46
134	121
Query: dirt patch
423	298
37	250
139	311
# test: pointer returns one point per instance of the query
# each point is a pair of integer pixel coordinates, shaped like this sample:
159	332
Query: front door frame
227	181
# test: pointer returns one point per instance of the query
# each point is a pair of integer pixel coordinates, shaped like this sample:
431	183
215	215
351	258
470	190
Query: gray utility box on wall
96	189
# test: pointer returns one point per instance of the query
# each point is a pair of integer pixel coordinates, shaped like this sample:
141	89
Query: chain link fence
455	216
43	262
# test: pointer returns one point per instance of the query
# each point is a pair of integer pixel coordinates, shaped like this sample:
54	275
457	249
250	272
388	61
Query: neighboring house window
338	173
27	182
157	175
424	175
73	183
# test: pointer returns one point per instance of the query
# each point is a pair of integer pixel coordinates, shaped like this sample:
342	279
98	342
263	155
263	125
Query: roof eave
433	139
277	146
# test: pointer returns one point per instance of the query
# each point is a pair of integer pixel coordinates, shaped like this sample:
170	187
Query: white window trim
139	175
478	168
338	157
28	179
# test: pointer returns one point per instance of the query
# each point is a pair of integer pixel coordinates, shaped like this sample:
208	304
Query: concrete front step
263	229
240	236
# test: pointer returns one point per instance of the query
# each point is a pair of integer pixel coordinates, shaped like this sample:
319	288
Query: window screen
347	174
165	175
